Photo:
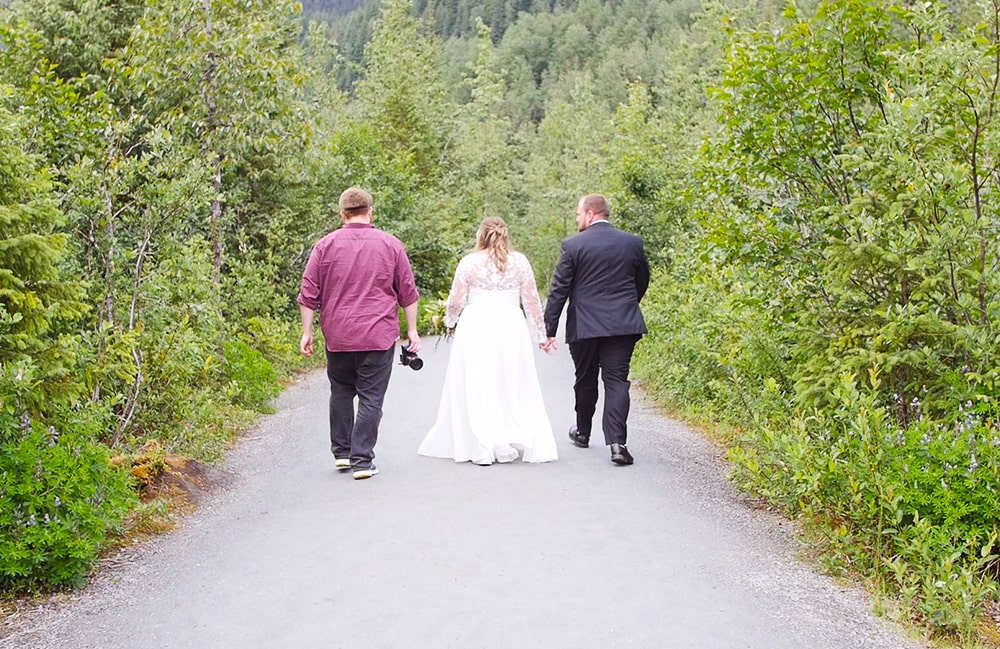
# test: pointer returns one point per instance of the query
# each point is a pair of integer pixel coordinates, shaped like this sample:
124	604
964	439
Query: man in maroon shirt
357	277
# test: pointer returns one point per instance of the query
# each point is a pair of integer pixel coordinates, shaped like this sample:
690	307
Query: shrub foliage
836	297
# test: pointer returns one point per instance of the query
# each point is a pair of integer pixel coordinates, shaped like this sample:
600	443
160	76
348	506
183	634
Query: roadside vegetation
816	184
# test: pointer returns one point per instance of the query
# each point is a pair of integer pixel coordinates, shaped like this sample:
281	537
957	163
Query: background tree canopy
815	183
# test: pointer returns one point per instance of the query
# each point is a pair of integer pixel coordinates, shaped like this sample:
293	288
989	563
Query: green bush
278	341
251	379
712	345
839	299
60	498
430	321
915	508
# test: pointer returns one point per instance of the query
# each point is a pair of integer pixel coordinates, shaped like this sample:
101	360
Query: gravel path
430	554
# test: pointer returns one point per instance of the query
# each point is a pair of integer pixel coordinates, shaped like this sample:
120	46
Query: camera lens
416	363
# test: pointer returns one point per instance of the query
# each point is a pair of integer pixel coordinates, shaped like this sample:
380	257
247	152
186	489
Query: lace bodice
477	278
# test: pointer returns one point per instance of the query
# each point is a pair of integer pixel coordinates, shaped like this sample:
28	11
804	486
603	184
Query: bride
491	407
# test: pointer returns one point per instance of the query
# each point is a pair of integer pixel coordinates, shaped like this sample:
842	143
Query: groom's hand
548	346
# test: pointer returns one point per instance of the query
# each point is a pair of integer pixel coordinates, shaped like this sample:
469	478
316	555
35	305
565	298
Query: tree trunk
212	126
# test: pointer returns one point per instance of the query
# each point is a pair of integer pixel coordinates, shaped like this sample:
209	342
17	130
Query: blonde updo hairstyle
492	236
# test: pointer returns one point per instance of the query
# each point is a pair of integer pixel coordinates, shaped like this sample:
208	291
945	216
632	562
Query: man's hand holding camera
406	357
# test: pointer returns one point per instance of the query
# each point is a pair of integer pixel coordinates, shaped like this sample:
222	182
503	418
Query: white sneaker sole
364	474
342	464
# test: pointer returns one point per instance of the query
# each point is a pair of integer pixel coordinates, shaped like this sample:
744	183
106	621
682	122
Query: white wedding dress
491	407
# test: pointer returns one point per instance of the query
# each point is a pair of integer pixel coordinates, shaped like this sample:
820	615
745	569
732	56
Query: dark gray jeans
364	375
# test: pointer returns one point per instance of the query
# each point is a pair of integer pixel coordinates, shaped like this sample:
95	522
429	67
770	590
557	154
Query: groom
603	272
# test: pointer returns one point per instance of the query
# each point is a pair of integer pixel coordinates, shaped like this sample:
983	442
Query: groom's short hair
597	204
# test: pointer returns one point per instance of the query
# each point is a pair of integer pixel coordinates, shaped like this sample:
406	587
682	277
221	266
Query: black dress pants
364	375
610	356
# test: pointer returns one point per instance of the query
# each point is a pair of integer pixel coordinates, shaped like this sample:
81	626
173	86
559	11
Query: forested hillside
816	186
312	8
329	10
547	30
447	17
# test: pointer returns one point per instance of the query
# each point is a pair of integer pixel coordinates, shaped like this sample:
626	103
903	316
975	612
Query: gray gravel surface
577	553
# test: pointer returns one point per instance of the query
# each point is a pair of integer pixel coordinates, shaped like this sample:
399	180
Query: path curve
576	554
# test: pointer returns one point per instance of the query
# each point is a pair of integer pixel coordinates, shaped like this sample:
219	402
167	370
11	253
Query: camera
407	357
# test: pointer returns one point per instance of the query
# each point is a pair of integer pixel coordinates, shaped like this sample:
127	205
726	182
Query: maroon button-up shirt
357	277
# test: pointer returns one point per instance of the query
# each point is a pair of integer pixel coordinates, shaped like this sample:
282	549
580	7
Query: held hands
548	345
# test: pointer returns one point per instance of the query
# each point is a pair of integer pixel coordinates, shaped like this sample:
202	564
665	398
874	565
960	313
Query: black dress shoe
620	455
583	441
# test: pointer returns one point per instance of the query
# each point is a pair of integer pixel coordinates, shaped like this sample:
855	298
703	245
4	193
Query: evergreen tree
37	299
61	496
567	161
481	178
401	95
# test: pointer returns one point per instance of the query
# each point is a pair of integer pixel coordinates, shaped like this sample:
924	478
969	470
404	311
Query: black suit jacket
603	272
